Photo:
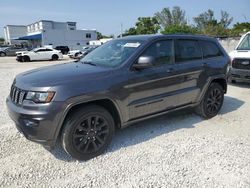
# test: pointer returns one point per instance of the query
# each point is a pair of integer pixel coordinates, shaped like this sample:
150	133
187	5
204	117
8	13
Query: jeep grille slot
17	95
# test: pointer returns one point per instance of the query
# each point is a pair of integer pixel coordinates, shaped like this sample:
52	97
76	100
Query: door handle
170	70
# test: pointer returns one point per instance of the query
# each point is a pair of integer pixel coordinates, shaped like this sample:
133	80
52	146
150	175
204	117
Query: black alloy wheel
214	101
211	102
87	132
90	134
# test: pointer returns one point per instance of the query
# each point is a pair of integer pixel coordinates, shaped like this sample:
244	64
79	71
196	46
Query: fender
208	83
71	105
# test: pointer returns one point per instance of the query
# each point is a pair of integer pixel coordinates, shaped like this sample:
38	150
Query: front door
153	90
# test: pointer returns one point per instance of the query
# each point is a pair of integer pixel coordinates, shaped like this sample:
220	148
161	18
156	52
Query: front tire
87	132
54	57
25	59
211	102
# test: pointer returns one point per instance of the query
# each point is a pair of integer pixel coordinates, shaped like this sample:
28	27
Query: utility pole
121	30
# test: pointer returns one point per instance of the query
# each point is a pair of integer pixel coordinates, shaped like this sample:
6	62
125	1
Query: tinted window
162	51
48	50
210	49
187	50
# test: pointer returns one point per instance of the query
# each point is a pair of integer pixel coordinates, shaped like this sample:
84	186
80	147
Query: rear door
154	89
188	57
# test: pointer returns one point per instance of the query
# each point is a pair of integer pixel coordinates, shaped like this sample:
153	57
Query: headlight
40	97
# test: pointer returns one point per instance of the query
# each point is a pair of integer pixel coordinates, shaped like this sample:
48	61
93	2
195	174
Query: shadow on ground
149	129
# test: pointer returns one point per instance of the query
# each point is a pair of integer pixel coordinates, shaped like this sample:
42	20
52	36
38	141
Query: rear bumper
38	124
239	74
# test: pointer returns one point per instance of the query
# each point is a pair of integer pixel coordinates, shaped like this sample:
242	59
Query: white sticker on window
132	45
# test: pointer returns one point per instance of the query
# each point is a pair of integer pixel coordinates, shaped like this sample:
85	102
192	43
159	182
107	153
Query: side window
88	35
162	51
48	50
187	50
245	43
210	49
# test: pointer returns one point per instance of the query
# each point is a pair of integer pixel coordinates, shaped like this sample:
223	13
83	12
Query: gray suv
122	82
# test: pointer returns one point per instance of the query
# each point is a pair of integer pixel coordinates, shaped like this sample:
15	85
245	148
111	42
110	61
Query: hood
22	52
240	54
60	74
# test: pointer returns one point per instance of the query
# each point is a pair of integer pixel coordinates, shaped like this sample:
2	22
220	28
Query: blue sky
107	16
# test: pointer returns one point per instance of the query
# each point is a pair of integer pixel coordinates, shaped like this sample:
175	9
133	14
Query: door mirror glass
144	62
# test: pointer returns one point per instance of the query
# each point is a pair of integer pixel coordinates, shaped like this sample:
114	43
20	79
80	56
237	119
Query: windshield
112	53
35	49
245	43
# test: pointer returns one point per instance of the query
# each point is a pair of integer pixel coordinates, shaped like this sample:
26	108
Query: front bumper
37	122
239	74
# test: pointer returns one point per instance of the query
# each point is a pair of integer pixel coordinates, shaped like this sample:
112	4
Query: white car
74	54
77	54
39	54
240	60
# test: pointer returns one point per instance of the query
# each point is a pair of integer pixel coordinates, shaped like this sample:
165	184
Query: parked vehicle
74	54
10	51
240	60
39	54
77	54
63	49
122	82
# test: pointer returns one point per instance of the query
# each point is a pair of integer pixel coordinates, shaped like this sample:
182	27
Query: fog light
29	123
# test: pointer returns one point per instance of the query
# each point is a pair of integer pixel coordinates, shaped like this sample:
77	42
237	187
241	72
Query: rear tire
211	102
87	132
54	57
76	55
2	54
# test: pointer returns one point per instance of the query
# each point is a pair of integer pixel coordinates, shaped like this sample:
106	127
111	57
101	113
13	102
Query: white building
14	31
47	32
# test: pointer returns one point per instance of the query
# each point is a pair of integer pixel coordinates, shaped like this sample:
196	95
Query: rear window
187	50
210	49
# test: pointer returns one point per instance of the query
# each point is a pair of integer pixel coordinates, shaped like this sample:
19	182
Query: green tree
144	25
101	36
168	17
207	24
180	29
240	28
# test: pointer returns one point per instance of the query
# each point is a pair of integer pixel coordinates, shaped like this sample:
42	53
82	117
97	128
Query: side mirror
144	62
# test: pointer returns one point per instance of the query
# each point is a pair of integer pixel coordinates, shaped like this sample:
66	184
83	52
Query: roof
30	37
157	36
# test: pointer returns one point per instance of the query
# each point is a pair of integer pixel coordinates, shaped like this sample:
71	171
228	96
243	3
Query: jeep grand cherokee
124	81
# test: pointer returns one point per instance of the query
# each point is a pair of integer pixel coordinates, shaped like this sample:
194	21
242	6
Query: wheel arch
222	82
106	103
220	79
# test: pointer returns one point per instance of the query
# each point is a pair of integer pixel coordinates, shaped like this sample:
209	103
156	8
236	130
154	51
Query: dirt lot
176	150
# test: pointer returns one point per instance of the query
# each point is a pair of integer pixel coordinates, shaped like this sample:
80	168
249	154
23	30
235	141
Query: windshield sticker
132	45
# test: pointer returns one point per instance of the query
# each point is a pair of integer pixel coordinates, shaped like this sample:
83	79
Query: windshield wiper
89	62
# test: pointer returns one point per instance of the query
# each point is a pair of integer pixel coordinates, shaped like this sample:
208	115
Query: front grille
241	64
17	95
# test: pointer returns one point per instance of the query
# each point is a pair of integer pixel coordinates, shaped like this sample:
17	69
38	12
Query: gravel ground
176	150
